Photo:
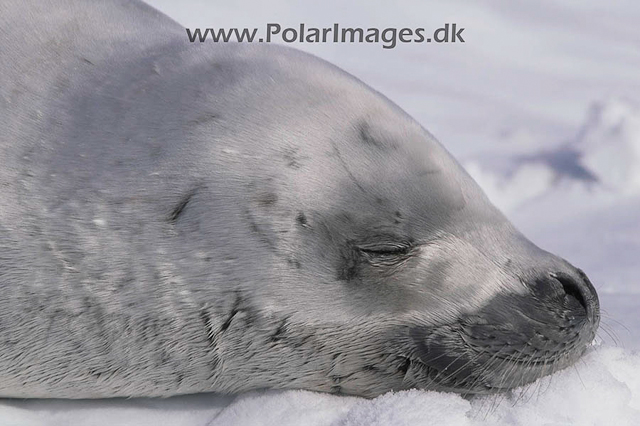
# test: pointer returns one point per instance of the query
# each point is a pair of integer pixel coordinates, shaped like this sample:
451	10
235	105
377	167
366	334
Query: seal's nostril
571	287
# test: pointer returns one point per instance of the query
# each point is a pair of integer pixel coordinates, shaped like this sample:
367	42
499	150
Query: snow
604	389
610	144
542	106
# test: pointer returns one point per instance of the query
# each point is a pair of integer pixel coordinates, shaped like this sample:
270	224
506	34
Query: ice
610	143
602	389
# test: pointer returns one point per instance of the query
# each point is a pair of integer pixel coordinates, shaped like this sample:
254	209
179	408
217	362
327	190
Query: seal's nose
572	288
574	291
589	296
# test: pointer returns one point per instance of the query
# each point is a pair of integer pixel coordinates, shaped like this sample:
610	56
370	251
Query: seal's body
180	218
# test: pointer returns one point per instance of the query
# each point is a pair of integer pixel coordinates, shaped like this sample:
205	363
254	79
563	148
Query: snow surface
542	106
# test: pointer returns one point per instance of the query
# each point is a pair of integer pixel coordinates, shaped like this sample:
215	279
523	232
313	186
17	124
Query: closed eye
385	249
386	254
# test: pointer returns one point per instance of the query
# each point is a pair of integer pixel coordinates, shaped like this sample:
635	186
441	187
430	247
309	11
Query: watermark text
387	37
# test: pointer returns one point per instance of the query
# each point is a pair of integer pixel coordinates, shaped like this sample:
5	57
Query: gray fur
180	218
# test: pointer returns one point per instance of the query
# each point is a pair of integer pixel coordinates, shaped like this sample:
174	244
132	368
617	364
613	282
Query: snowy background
542	106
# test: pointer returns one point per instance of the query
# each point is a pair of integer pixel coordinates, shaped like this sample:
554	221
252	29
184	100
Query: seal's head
388	266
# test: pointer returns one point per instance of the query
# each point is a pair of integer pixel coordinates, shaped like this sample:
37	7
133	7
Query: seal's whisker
579	377
605	325
483	367
496	400
522	379
621	324
611	333
470	361
440	372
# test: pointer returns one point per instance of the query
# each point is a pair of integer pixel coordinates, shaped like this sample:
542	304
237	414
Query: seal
180	218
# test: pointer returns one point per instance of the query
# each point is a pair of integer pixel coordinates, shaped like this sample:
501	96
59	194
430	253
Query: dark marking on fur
267	198
256	229
364	132
294	262
234	311
205	317
292	158
204	118
346	168
227	323
404	367
295	340
349	262
398	218
280	331
302	220
179	208
429	172
96	374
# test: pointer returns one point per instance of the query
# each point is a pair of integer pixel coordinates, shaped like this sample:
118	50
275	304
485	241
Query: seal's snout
517	337
573	292
572	289
582	291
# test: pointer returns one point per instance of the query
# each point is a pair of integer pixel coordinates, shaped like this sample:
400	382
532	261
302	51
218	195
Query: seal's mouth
512	341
